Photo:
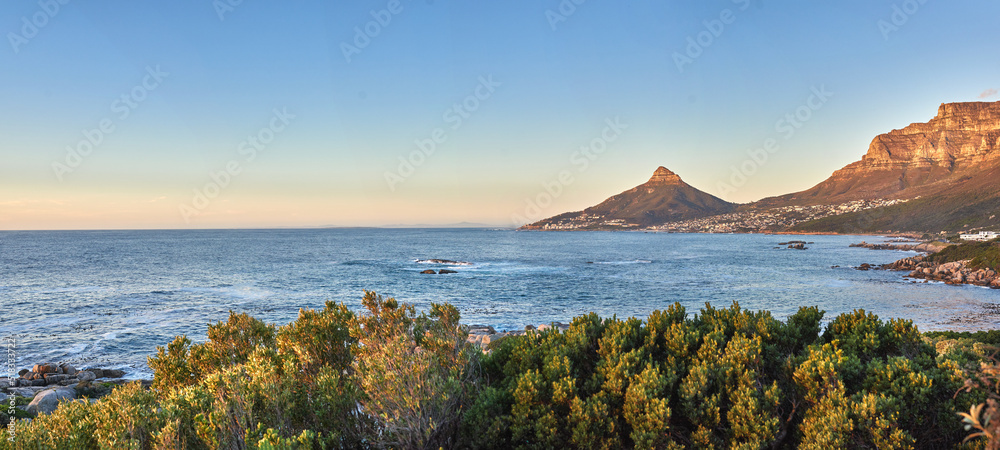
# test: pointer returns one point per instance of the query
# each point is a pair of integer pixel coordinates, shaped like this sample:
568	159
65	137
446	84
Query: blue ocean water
107	298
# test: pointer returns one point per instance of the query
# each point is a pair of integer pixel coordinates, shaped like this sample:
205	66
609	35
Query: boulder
38	382
98	373
48	400
22	372
481	329
428	272
54	378
529	327
45	368
113	373
25	391
68	369
86	375
492	341
444	271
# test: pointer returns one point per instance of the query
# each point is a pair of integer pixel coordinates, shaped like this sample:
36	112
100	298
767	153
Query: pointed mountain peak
663	175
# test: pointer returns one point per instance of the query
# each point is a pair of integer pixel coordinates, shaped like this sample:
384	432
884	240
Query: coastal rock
428	272
445	271
113	373
45	368
22	372
48	400
68	369
99	373
86	375
54	378
481	329
25	391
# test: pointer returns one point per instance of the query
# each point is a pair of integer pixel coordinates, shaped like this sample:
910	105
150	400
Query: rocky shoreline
46	384
925	247
957	272
486	336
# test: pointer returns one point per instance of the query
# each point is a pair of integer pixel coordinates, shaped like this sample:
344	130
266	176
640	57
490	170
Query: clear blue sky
231	73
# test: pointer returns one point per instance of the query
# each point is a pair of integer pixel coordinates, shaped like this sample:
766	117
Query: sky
252	113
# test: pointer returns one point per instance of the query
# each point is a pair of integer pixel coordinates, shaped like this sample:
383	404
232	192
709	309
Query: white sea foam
616	263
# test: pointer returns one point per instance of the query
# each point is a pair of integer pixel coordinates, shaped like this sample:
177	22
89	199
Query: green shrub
982	255
393	378
724	378
414	372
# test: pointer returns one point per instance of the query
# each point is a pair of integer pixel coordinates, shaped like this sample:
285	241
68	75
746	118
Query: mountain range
941	175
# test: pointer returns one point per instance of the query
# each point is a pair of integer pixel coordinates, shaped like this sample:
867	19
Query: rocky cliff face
663	175
920	159
961	135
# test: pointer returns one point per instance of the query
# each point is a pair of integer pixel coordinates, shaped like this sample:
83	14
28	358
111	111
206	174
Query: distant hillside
664	198
949	167
942	175
942	156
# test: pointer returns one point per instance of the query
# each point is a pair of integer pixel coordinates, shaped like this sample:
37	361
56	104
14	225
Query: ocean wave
443	261
616	263
73	289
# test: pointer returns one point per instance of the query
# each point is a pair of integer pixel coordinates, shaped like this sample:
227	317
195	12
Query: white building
981	236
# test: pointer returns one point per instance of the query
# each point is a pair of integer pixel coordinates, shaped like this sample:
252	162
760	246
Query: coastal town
751	220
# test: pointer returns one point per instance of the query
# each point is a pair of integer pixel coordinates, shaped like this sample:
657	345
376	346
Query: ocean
108	298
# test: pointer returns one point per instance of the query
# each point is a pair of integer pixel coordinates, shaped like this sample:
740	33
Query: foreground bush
392	378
